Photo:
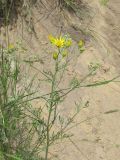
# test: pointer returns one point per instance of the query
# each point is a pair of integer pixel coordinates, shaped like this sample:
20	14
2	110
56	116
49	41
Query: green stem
50	110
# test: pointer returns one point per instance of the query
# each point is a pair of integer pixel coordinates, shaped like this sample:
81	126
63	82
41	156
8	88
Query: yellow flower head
55	55
81	44
59	42
11	46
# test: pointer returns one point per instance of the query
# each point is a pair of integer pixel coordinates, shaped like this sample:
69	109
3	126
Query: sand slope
98	137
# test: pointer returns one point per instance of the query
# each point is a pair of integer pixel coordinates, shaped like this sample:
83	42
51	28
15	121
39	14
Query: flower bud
55	56
64	53
81	44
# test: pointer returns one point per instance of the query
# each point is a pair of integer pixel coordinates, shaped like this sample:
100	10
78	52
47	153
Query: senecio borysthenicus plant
62	43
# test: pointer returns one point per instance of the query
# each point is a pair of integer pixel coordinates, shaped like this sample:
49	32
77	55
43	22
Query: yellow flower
81	44
59	42
64	53
11	46
55	55
68	43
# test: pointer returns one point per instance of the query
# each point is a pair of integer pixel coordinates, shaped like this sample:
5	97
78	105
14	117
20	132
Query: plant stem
50	110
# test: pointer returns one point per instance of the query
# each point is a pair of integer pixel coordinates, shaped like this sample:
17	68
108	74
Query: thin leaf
111	111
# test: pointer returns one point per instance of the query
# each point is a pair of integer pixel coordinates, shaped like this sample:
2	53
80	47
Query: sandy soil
97	137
